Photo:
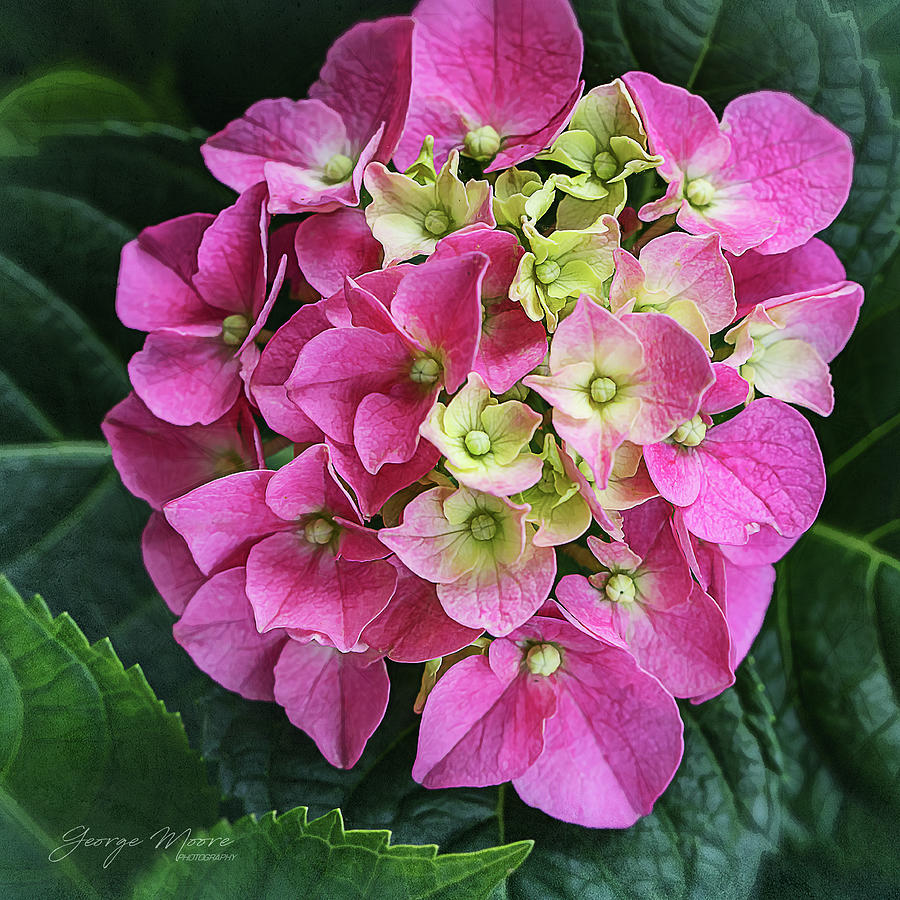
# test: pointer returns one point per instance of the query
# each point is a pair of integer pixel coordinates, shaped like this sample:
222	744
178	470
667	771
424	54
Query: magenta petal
306	485
267	386
154	287
413	628
728	391
221	520
158	461
338	368
218	631
799	163
373	491
676	472
169	563
332	246
604	761
512	345
477	730
186	379
748	592
499	598
766	546
763	467
231	260
294	584
349	700
366	78
386	427
759	277
439	305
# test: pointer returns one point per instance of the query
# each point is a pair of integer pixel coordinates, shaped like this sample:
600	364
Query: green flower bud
691	433
318	531
483	527
425	370
235	329
605	165
437	222
699	192
482	143
620	589
603	389
547	272
543	659
477	443
338	169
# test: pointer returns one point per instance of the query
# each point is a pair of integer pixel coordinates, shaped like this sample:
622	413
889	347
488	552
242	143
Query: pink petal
763	467
675	374
231	259
366	78
499	598
154	287
759	277
221	520
281	243
766	546
477	730
749	590
373	491
331	246
604	761
219	634
413	628
267	386
186	379
677	472
799	163
582	605
158	461
169	563
294	584
510	64
349	700
728	391
438	305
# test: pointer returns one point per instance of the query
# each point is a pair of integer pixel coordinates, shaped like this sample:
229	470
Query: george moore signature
165	837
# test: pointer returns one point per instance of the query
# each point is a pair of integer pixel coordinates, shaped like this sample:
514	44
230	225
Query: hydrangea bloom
507	433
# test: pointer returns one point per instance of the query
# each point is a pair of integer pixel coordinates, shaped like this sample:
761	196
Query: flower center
235	329
478	443
699	192
547	272
605	165
318	531
543	659
437	222
483	527
338	169
690	433
620	589
482	143
425	370
603	389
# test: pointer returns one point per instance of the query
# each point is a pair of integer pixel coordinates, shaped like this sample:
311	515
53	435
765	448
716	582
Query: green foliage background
789	783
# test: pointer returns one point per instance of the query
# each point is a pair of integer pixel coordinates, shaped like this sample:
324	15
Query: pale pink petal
349	700
186	379
267	386
221	520
169	563
477	730
800	165
158	461
413	628
331	246
628	279
219	634
366	78
763	467
295	584
759	277
793	371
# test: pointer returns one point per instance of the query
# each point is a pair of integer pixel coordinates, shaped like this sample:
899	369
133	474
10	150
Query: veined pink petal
676	471
349	700
477	730
221	520
331	246
169	563
728	391
749	590
218	631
